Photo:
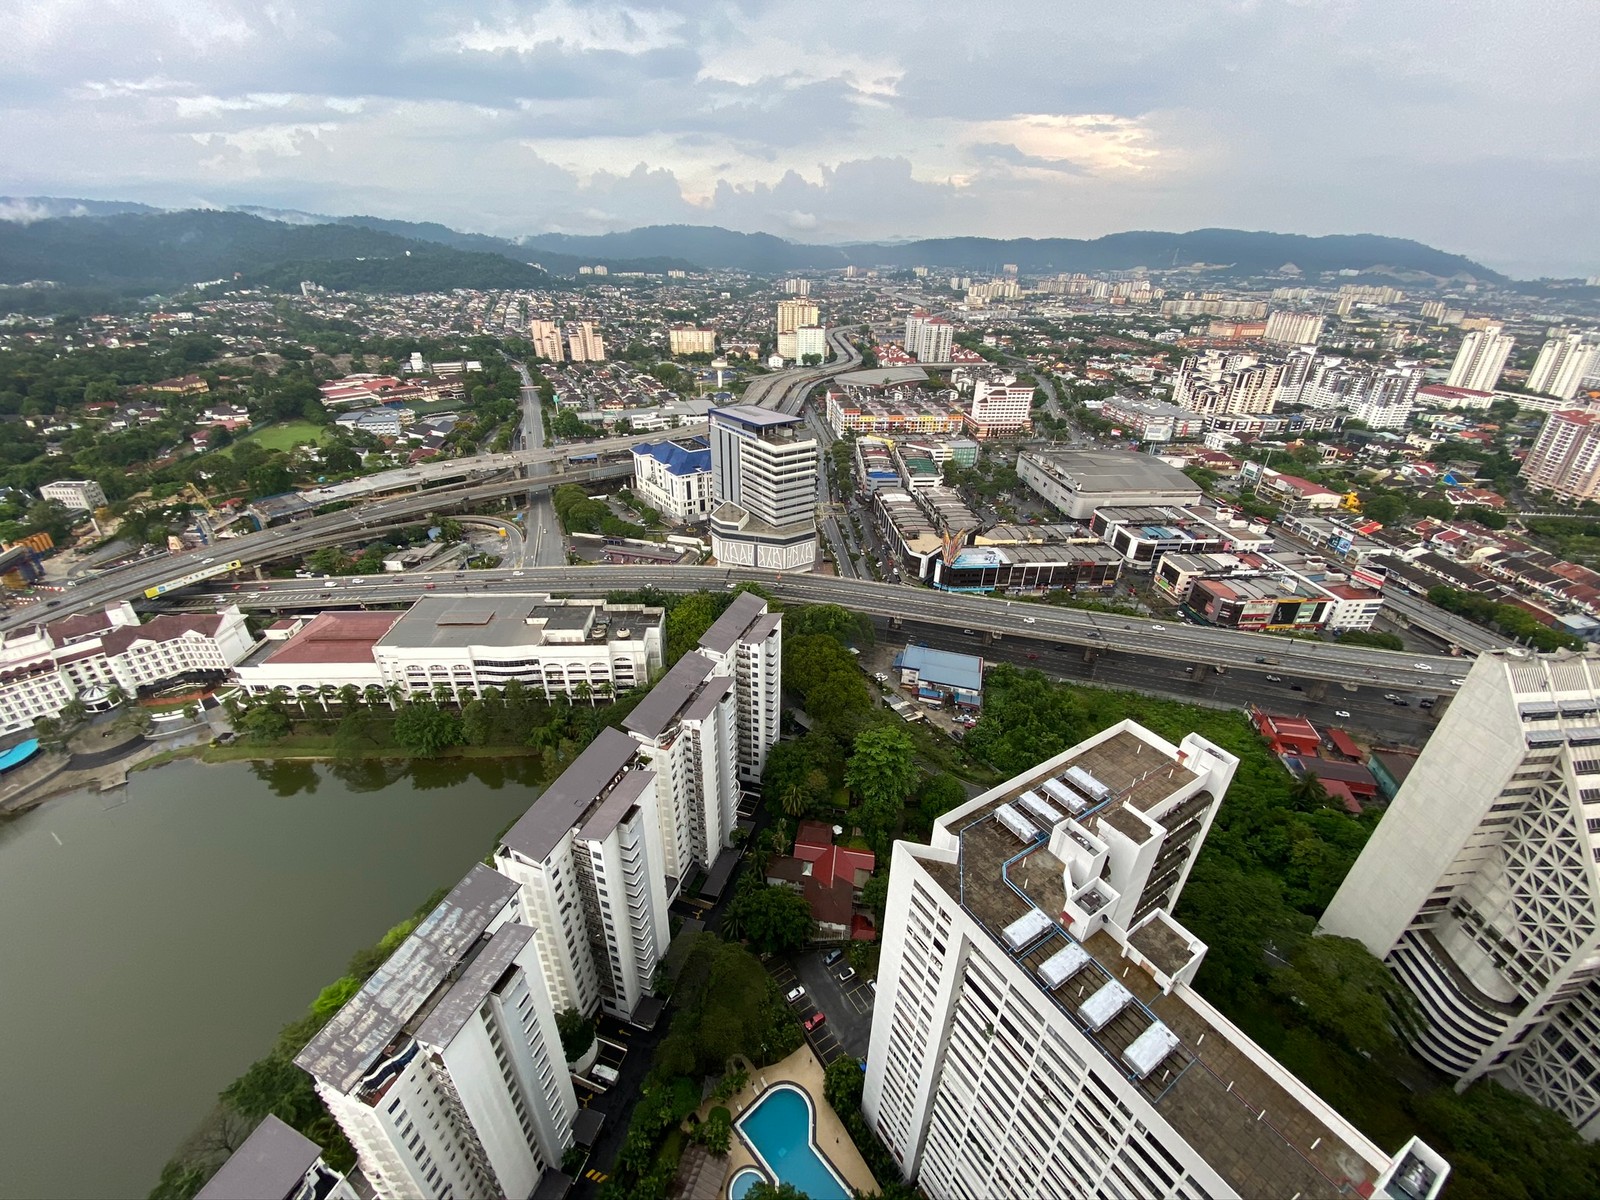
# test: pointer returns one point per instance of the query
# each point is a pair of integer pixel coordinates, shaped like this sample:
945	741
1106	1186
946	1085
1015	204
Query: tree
762	1190
841	1084
715	1133
1348	994
425	729
939	794
265	723
775	919
577	1033
882	772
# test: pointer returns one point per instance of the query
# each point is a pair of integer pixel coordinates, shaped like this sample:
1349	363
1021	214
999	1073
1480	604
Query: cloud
828	121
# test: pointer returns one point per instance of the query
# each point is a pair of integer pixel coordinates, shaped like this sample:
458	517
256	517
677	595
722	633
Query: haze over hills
131	247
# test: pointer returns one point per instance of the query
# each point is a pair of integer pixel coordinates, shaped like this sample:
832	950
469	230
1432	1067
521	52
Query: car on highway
1401	703
1274	678
1342	714
814	1021
1159	628
1457	682
795	993
1390	696
970	632
1029	620
1422	666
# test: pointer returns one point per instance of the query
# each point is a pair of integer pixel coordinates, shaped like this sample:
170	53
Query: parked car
831	957
814	1021
846	975
795	993
1341	714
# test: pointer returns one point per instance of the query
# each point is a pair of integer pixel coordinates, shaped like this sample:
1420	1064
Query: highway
543	544
991	621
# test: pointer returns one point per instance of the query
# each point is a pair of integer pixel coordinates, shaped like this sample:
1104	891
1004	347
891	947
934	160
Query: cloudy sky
1469	124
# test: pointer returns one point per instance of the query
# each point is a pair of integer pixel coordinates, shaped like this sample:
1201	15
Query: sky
1467	124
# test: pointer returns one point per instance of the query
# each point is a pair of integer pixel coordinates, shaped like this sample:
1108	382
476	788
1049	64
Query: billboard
183	581
1372	577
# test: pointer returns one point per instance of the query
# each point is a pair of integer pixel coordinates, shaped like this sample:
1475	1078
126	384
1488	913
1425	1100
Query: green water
153	940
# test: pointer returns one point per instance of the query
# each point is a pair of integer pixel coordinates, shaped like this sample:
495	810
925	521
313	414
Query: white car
1457	682
517	574
795	993
1159	628
1029	620
1422	666
1341	714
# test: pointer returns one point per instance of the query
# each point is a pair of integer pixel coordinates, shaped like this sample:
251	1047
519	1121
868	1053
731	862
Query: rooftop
334	637
1256	1133
454	622
365	1028
735	623
1113	471
572	799
943	667
272	1163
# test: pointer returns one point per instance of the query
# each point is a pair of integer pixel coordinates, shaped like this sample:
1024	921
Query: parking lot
846	1004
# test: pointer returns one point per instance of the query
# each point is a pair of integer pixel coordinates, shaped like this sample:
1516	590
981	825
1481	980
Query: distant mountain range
132	247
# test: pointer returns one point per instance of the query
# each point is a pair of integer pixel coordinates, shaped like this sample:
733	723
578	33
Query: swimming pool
780	1129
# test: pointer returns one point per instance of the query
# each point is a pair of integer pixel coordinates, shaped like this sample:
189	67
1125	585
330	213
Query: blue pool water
782	1133
743	1182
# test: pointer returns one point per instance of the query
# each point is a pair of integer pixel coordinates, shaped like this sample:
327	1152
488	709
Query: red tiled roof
336	637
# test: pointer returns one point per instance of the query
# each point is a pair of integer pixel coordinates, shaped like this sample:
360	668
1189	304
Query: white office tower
1562	365
746	641
445	1070
929	339
1479	887
588	858
1036	1035
1480	360
764	478
688	728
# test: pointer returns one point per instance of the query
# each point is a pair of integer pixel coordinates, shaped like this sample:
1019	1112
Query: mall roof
679	460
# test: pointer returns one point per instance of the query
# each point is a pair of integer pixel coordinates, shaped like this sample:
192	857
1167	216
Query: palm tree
325	693
1306	794
441	693
794	799
395	693
373	695
603	689
349	696
582	691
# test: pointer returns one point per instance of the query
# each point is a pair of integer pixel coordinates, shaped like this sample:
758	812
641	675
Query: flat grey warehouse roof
456	622
1113	470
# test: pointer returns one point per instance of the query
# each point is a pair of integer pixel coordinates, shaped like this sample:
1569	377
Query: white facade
811	339
1562	365
692	341
43	667
445	1070
764	480
1480	887
673	479
746	642
929	339
1480	360
1220	383
999	409
74	495
1566	456
587	858
1293	328
1035	1033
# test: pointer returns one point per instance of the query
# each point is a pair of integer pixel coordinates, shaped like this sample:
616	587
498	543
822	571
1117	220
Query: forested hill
163	251
1226	251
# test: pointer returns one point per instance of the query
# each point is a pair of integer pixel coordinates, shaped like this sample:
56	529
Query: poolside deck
800	1068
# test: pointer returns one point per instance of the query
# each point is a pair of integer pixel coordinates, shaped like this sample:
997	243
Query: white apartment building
929	339
746	641
445	1070
793	314
546	339
74	495
999	409
1220	383
674	478
1293	328
43	667
587	858
1566	457
688	727
797	287
764	480
467	643
584	343
1480	887
692	341
1562	365
808	340
1480	360
1036	1034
